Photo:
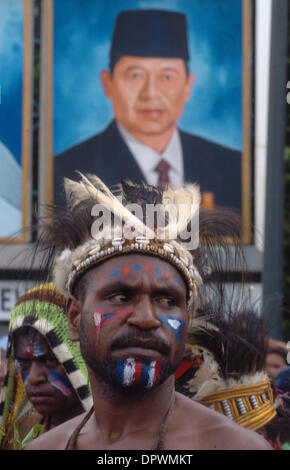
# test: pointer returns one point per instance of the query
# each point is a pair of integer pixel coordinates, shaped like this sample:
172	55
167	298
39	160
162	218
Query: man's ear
73	311
188	86
106	80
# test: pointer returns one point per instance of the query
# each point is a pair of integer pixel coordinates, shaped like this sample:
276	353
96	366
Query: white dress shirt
147	158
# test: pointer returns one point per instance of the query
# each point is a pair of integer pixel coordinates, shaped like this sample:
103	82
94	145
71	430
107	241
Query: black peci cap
149	33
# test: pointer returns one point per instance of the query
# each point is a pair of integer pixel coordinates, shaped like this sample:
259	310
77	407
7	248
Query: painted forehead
31	343
129	266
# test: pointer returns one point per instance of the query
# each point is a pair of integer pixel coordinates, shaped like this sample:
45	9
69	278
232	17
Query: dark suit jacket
215	168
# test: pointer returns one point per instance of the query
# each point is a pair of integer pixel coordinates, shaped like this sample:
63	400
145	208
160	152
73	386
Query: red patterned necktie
162	168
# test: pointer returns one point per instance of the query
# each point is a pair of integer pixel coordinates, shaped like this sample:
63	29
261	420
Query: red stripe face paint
102	319
138	372
33	349
29	351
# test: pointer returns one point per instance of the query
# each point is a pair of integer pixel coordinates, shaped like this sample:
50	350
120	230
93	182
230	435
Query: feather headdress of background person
228	373
42	308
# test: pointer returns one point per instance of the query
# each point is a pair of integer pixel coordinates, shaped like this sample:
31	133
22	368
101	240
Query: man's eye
51	362
22	363
134	74
166	301
168	76
118	298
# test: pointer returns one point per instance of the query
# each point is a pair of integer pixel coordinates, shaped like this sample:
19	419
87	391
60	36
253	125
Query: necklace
163	427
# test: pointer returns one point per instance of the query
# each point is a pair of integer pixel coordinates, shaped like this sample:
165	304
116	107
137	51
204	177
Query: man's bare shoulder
212	430
56	438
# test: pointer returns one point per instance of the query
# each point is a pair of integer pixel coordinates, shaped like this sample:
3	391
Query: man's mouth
152	113
150	348
38	398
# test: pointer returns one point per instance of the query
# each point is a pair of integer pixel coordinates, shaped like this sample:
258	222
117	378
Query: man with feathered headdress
130	287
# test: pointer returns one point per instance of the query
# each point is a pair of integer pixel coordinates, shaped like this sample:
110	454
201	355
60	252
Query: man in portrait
148	84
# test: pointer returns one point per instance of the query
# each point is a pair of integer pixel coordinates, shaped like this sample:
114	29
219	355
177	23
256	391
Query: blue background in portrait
11	69
82	35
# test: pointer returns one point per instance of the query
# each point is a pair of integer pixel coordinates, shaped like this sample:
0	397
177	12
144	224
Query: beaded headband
72	263
140	245
251	406
238	388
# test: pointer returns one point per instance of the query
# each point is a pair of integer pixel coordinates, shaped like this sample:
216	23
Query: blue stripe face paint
24	376
60	382
175	324
55	379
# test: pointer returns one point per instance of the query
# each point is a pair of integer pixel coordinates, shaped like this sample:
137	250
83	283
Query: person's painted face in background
133	321
45	380
274	364
148	94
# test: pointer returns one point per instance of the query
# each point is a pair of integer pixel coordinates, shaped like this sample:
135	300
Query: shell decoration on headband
128	233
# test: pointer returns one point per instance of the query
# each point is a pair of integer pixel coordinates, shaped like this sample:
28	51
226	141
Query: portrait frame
46	167
26	128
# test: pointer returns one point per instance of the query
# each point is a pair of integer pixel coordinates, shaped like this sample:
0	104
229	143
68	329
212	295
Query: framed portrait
198	118
15	118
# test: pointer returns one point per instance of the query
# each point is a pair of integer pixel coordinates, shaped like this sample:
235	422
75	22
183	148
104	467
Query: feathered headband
119	231
228	374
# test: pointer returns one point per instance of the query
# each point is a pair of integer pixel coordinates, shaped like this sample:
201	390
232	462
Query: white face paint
97	319
175	324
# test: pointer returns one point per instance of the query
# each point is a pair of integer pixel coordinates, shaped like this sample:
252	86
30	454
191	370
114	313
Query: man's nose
144	316
37	373
149	89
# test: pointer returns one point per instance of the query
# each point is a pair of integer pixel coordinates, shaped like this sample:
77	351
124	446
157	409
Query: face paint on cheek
111	317
102	319
135	372
98	318
175	324
25	378
60	382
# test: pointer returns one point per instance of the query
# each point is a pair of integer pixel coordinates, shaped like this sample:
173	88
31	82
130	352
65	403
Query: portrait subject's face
148	94
133	321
